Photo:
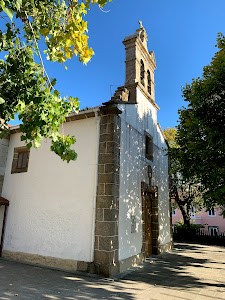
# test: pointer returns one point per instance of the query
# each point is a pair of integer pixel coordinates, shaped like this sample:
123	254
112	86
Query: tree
25	87
201	132
186	193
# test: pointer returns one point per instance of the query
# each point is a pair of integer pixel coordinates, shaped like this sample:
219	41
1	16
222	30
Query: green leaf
18	4
53	82
56	93
8	11
37	143
29	145
69	43
44	31
26	87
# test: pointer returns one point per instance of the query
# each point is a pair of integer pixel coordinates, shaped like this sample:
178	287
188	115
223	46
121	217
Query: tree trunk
185	213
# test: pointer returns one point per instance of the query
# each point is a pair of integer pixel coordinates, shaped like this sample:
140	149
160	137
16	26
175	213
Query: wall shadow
179	270
30	282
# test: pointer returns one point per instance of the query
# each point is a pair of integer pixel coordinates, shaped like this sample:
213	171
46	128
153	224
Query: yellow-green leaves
68	37
60	22
101	3
44	31
26	88
170	135
69	43
18	4
7	9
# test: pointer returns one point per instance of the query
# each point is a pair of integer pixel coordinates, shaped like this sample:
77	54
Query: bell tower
140	65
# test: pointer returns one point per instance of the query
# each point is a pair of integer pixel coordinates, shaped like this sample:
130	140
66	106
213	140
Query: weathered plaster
135	120
52	204
4	144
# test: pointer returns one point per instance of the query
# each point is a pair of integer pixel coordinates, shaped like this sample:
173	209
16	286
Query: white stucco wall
161	180
136	119
52	206
4	144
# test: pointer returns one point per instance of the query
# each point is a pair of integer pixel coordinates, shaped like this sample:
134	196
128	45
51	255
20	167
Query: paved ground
189	272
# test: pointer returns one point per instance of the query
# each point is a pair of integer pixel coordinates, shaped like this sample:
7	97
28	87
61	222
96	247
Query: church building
109	209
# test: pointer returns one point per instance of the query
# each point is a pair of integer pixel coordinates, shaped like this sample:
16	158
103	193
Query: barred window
192	212
213	230
211	213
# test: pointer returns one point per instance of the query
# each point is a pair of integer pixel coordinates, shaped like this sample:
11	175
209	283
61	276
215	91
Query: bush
184	233
181	225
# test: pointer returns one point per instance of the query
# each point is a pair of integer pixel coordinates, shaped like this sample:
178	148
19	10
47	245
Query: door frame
5	203
148	189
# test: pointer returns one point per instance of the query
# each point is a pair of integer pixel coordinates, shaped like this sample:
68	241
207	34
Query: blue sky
182	33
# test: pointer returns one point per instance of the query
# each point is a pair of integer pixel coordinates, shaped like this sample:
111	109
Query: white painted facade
135	120
4	145
52	205
52	209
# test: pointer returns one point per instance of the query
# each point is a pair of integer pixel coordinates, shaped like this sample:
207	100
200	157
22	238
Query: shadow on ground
29	282
188	267
192	268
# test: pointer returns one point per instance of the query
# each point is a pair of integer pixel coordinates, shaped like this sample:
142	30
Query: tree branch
39	53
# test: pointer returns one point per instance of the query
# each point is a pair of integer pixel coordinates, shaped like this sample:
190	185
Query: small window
20	160
192	212
213	230
142	73
173	211
149	83
211	213
148	146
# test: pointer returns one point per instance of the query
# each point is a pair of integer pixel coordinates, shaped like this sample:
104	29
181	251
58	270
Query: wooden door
148	224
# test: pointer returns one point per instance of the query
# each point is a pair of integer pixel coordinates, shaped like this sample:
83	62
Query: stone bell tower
140	66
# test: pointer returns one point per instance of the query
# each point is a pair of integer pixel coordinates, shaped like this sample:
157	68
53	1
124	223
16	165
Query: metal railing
198	236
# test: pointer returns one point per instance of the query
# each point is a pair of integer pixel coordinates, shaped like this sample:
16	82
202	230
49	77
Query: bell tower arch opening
142	71
140	65
149	82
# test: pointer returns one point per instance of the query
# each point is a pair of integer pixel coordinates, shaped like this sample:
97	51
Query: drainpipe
3	230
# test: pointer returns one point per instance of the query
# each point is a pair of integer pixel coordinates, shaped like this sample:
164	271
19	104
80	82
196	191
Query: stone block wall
107	202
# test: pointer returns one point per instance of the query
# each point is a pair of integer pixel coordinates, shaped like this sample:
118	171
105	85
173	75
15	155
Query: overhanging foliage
25	87
201	132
